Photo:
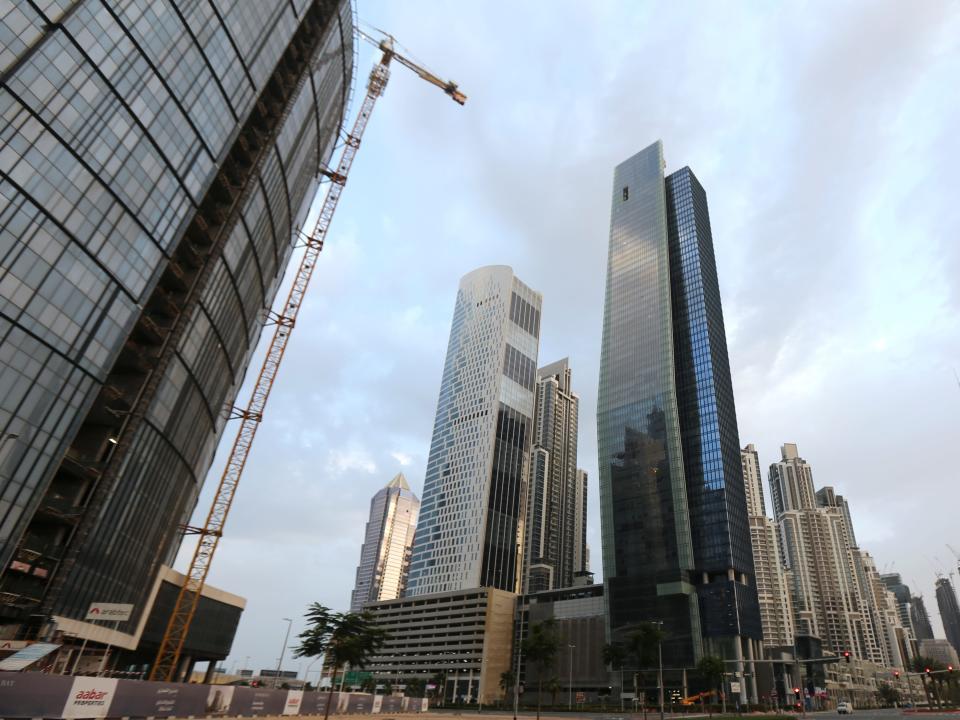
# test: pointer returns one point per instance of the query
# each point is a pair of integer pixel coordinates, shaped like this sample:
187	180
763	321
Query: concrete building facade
471	528
552	495
388	539
773	589
465	635
836	592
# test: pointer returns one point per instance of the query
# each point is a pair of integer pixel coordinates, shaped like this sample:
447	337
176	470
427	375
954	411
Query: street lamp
659	624
570	646
283	648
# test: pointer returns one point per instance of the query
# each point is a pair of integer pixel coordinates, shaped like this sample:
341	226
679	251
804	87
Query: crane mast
165	667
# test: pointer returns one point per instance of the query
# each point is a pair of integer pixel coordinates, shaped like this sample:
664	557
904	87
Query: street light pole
570	646
660	663
283	648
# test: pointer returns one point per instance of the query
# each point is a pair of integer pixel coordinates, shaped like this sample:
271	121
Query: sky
825	135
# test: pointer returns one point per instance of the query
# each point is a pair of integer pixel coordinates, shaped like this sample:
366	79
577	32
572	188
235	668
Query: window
626	193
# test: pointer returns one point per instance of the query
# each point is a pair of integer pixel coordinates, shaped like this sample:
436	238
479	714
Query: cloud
827	145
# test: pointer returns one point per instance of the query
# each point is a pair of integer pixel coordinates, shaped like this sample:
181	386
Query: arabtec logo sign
112	612
90	697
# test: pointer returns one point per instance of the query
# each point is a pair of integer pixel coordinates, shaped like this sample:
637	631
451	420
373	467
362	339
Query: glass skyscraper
470	532
156	161
676	543
385	555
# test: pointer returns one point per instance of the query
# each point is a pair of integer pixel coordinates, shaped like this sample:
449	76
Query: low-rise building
463	636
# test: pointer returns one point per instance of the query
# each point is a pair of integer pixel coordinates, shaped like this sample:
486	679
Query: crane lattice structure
165	667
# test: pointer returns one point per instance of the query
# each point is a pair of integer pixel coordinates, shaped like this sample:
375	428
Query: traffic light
949	668
896	674
846	655
796	692
927	671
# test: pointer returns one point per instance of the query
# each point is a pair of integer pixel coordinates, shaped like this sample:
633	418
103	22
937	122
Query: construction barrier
38	695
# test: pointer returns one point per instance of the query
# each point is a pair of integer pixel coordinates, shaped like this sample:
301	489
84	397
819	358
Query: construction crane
165	667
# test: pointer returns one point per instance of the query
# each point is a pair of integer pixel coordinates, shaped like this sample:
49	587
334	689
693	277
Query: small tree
712	670
368	685
888	694
540	648
342	637
416	687
507	681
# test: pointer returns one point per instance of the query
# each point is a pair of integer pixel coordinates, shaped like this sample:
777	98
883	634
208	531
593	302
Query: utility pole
570	646
276	678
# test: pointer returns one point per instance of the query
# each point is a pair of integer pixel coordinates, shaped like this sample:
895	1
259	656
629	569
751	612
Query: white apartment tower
835	590
471	528
776	612
385	554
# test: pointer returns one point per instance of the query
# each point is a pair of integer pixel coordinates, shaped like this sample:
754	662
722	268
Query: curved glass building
156	160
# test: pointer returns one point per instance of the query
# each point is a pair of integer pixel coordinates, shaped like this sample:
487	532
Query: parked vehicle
844	708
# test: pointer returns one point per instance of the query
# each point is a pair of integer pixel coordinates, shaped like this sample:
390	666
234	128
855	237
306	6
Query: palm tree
553	687
921	665
614	655
712	670
341	637
643	644
540	648
439	681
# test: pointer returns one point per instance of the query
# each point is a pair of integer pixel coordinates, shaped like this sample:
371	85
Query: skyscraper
552	495
920	619
470	532
676	540
581	556
836	591
773	590
949	611
157	160
385	554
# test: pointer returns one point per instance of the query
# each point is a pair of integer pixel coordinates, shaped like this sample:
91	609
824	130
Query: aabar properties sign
110	612
90	697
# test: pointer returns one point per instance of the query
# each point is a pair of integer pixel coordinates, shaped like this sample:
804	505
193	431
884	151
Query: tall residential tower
552	520
158	158
773	589
470	532
676	539
385	554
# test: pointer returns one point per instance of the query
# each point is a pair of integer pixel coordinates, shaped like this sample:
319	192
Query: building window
626	193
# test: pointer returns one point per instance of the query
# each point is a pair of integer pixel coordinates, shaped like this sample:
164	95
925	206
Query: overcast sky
826	136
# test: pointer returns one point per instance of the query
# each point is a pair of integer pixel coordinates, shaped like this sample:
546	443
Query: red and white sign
112	612
294	700
90	697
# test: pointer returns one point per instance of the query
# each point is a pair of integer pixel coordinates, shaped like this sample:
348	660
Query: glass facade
156	159
471	525
676	543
